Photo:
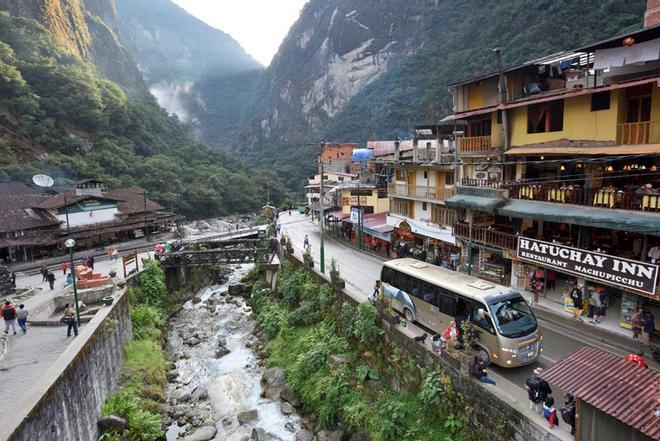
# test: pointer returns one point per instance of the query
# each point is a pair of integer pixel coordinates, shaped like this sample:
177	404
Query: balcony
476	146
644	132
421	192
486	236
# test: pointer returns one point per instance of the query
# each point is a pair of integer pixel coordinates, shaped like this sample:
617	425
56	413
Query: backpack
534	385
567	413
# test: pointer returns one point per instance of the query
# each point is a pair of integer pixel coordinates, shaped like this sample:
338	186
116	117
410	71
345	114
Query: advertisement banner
626	273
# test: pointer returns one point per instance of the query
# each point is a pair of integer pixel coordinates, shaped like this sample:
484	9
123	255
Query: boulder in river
272	382
287	408
304	435
171	375
182	395
248	416
201	393
327	435
205	433
288	395
360	436
112	423
260	434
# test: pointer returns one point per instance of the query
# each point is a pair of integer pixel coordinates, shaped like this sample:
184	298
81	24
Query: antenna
43	181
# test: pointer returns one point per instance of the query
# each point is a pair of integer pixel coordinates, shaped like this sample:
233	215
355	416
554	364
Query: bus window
483	320
428	293
388	275
446	301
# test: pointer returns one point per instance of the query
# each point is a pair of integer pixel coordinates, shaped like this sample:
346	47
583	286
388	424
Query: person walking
13	279
9	315
552	279
51	279
69	319
64	266
21	318
91	262
568	412
648	327
306	244
478	370
44	273
537	390
374	295
599	308
576	296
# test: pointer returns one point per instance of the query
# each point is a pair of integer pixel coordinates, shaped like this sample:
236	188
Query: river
216	383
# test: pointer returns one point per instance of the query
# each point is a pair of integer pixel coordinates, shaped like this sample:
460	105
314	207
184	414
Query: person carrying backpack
568	411
537	390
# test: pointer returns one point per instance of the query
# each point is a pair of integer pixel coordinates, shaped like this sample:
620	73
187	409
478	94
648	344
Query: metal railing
421	192
486	236
643	132
483	183
475	145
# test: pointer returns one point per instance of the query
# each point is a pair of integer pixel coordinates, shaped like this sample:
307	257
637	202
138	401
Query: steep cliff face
334	50
65	19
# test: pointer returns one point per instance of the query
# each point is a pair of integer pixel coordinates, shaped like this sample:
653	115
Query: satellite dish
43	180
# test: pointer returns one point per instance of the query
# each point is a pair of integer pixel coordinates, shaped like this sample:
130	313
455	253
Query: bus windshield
513	317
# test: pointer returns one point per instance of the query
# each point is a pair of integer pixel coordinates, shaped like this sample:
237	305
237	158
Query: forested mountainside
198	72
351	70
61	114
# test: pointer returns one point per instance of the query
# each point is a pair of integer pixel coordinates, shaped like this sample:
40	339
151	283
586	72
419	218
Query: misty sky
258	25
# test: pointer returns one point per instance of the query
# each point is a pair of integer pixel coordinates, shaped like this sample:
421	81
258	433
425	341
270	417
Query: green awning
625	220
479	203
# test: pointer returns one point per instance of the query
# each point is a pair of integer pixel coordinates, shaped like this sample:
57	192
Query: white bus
507	331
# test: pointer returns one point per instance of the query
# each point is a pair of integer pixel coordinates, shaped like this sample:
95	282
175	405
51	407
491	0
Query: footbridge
215	251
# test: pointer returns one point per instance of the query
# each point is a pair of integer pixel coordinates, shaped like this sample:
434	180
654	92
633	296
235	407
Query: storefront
624	285
425	241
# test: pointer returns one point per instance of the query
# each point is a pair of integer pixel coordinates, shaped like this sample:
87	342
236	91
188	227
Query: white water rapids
233	380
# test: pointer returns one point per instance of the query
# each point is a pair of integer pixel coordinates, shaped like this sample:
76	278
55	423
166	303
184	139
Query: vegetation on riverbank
343	370
142	377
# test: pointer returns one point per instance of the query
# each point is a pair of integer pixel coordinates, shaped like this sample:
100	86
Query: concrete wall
66	402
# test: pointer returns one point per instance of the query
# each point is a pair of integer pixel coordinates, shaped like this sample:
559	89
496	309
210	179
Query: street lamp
70	243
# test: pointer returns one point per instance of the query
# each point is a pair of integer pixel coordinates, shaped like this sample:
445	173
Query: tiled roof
625	391
17	213
15	188
131	200
57	201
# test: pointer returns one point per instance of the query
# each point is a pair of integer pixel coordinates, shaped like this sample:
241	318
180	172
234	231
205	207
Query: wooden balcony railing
475	145
486	236
421	192
443	216
483	183
644	132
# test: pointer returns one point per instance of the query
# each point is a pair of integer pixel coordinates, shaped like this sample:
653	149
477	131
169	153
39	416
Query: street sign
328	199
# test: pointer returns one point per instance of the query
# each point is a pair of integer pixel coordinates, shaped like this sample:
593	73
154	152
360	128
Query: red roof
606	381
377	222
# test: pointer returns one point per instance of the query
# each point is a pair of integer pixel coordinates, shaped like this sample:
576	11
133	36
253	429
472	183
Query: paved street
360	270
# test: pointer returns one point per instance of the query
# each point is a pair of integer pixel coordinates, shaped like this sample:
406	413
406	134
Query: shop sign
358	200
355	215
344	201
626	273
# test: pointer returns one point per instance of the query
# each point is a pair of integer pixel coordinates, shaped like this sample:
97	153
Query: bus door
484	327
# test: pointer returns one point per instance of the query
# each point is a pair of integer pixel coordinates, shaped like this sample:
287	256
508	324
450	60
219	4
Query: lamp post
322	219
70	243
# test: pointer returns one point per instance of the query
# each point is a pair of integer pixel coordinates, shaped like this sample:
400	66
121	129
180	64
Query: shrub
270	319
152	284
148	322
366	327
143	425
144	369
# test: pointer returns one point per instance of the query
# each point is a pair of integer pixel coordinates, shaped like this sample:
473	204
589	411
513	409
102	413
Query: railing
644	132
484	183
475	145
486	236
443	216
421	192
429	154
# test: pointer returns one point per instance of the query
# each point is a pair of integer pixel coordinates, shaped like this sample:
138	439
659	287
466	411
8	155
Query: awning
317	207
638	149
626	220
376	225
338	214
612	385
479	203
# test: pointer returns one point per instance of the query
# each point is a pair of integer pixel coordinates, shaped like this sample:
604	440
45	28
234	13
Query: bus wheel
409	315
482	355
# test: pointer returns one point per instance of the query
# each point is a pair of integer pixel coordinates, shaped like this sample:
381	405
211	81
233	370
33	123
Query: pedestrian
13	279
376	292
64	266
451	334
636	323
599	308
537	390
568	412
91	262
478	370
9	314
537	287
388	248
51	279
306	244
21	317
552	279
576	296
69	319
550	413
44	273
648	326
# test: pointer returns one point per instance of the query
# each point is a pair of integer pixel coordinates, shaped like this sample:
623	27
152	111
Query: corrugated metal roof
606	381
637	149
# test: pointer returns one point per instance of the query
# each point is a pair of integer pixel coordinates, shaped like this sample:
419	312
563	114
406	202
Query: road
360	270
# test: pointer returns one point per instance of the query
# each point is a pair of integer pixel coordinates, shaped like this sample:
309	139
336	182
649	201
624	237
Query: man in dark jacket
537	391
9	314
51	280
576	296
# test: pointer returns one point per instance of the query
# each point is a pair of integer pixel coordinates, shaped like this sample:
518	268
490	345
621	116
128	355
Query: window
340	178
545	117
424	206
445	301
400	174
499	117
428	145
426	175
479	128
482	320
600	101
449	179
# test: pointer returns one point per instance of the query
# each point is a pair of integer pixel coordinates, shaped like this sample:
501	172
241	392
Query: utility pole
146	221
66	213
322	217
503	100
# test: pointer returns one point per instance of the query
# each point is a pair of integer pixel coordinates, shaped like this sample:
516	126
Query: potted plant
107	301
112	272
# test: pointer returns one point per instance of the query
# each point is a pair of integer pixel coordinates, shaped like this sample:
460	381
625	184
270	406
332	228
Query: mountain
351	70
189	65
61	113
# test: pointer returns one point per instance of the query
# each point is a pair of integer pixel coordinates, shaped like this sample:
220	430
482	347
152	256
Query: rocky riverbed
214	390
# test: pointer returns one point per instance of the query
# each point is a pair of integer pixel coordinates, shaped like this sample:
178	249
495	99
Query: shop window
600	101
545	117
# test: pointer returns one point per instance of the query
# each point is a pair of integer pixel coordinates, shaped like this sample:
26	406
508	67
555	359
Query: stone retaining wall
65	403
